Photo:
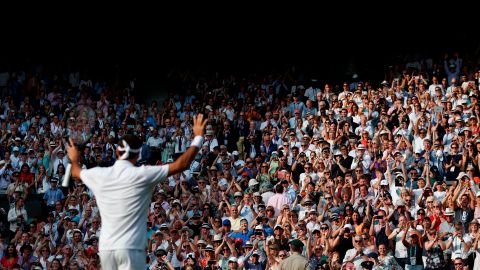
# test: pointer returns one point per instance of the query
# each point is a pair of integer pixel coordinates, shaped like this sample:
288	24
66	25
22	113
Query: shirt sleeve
155	174
88	177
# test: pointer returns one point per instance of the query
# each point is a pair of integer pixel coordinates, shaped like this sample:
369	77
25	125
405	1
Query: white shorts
123	259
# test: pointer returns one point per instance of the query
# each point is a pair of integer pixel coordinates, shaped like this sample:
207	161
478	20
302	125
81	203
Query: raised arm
183	162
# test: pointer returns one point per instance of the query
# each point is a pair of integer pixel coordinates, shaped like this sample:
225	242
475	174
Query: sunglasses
324	228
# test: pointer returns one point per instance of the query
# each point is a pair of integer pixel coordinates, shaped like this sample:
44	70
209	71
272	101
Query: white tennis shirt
123	193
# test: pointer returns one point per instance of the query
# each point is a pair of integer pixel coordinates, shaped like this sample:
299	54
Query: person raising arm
123	193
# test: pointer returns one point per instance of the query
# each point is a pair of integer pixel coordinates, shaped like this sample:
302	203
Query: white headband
127	150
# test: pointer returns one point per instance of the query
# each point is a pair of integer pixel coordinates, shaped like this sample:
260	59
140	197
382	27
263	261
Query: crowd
293	174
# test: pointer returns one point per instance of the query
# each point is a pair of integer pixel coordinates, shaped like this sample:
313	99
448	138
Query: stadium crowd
293	174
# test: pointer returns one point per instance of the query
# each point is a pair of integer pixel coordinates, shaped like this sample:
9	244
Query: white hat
349	226
449	212
209	247
15	149
238	194
235	153
400	203
384	183
278	226
259	227
2	162
383	132
18	139
233	259
461	175
252	182
361	146
256	194
217	237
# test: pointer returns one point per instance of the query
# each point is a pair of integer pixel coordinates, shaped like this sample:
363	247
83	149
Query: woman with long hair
41	180
10	257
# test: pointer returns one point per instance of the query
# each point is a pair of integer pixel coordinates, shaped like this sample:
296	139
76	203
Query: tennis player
123	193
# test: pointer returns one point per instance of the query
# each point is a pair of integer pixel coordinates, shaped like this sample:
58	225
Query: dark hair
279	189
14	253
134	142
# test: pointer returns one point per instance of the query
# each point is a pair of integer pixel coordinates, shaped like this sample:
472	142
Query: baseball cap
226	222
238	194
297	243
384	183
252	182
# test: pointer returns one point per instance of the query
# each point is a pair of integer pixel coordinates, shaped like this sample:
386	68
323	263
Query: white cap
238	194
233	259
384	183
348	225
235	153
252	182
259	227
15	149
2	162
